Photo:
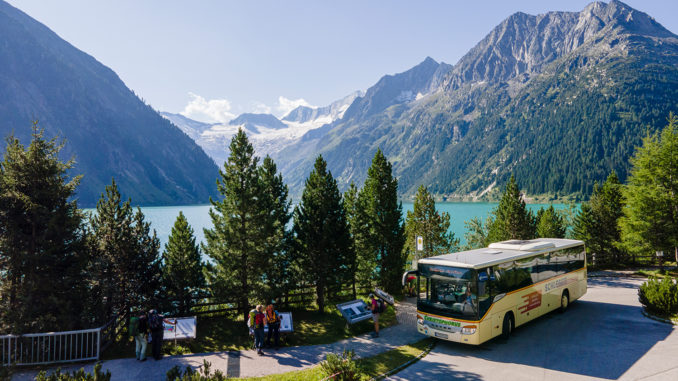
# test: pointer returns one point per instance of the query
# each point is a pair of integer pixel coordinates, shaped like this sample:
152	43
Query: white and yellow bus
472	296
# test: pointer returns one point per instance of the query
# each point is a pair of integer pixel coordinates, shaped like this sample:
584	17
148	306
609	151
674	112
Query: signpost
420	243
660	255
179	328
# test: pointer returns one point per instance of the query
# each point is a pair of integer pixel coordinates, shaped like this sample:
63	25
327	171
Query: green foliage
597	223
385	234
125	262
182	272
203	374
42	253
340	367
236	241
476	233
322	237
279	273
511	219
650	220
550	223
659	296
79	375
357	267
425	221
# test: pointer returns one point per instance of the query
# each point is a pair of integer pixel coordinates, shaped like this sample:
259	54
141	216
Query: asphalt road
603	335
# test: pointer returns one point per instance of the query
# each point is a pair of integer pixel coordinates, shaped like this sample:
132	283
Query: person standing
273	322
141	336
376	310
259	322
155	321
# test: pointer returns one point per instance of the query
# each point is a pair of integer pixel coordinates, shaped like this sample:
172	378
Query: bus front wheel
564	301
507	326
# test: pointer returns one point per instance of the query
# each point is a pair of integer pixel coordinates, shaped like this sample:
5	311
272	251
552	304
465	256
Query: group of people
148	328
260	318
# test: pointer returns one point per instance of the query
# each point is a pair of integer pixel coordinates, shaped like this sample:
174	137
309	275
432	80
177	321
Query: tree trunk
320	294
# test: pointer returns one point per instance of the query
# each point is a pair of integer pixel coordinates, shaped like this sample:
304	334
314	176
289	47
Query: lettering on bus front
442	321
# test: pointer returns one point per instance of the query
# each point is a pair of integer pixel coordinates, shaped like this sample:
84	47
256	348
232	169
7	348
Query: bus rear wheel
564	301
507	326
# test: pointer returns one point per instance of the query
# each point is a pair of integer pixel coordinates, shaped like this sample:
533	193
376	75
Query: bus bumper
456	337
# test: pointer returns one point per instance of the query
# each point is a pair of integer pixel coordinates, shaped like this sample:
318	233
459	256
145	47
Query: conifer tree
650	220
279	272
321	232
597	223
384	218
550	223
42	253
511	219
125	258
235	243
182	271
356	226
425	221
476	233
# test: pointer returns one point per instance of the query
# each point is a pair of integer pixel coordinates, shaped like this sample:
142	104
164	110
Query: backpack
272	319
381	306
259	320
154	321
250	318
133	328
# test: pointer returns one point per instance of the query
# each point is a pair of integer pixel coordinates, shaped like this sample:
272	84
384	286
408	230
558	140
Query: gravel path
249	364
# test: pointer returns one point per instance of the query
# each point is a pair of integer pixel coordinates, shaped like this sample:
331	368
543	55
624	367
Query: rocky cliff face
560	98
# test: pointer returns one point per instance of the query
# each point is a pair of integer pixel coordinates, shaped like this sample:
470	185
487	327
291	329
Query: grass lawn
369	367
225	333
657	273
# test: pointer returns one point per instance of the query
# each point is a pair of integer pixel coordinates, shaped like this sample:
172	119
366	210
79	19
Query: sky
212	60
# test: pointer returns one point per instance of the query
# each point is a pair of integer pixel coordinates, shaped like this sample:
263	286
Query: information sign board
179	328
354	311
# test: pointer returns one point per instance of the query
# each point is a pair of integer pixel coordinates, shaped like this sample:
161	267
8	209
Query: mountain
334	111
255	122
108	130
558	99
267	133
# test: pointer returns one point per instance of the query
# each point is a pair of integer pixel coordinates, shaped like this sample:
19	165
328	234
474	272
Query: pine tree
321	232
182	272
425	221
235	243
279	272
597	224
125	259
384	218
650	220
550	223
476	233
511	219
42	253
355	219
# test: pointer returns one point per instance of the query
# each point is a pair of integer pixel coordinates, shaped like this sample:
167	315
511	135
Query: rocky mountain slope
108	129
558	99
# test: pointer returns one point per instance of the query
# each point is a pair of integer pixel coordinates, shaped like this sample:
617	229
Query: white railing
50	348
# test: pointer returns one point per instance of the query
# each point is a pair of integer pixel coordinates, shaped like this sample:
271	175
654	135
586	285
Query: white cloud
208	111
260	108
285	105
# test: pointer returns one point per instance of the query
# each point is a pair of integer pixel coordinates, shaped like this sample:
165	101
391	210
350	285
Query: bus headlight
420	320
468	330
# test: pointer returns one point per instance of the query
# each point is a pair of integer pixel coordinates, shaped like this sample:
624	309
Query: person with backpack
157	329
273	322
138	328
258	320
377	307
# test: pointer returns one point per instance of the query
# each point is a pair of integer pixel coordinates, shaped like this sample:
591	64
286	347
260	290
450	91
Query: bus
473	296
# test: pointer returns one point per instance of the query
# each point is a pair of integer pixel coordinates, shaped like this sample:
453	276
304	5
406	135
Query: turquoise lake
162	217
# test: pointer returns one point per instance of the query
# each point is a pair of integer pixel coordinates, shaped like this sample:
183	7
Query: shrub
79	375
660	297
340	367
204	374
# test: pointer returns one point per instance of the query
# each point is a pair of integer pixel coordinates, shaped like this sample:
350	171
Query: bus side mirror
406	274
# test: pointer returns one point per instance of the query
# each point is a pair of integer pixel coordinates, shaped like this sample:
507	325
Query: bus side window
485	277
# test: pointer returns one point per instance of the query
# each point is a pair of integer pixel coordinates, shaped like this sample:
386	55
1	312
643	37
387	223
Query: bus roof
500	252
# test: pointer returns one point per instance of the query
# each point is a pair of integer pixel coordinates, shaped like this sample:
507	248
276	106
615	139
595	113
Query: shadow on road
592	338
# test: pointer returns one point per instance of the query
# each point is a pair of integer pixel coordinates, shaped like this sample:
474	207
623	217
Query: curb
656	318
405	365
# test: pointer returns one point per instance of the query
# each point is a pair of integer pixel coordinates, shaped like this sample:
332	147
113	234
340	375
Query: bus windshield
448	291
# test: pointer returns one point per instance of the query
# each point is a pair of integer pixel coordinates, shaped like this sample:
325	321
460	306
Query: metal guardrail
50	348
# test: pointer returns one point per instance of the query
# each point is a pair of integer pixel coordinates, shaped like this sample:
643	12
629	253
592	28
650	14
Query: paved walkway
249	364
